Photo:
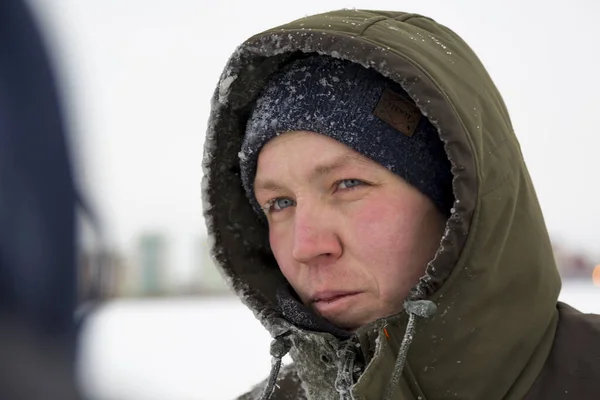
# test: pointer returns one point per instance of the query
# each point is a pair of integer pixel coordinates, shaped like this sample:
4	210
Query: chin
350	323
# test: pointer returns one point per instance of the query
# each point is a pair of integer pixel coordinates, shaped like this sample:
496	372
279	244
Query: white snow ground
194	349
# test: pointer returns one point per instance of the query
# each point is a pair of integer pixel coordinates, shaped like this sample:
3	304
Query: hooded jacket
498	331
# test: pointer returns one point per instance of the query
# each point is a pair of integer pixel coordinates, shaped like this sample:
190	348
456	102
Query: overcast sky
138	76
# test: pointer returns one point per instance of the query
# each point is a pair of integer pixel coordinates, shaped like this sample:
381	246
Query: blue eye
349	183
280	203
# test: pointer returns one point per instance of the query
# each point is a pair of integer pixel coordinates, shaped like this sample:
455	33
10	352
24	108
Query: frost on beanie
358	107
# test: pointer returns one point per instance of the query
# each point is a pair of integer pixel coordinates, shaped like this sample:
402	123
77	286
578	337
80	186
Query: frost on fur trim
225	87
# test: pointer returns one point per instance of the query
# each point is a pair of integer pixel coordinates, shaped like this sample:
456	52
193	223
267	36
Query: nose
316	241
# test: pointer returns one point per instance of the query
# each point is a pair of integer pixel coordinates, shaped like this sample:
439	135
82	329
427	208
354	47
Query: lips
333	304
328	302
331	296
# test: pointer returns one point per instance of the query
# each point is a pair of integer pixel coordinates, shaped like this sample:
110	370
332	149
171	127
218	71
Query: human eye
278	204
349	183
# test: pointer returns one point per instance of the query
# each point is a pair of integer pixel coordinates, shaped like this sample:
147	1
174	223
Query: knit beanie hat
358	107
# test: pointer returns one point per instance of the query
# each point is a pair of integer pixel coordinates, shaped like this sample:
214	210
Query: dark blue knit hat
358	107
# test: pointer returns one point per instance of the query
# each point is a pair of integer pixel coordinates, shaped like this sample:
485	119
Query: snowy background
137	77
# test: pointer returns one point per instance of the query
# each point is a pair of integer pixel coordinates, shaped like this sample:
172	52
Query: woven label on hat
397	111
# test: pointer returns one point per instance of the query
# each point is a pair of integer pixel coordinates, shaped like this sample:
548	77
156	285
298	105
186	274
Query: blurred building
146	272
102	275
151	260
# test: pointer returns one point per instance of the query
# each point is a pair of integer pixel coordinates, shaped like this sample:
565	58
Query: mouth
329	302
330	296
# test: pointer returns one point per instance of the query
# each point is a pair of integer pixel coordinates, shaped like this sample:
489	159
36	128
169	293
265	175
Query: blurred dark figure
37	220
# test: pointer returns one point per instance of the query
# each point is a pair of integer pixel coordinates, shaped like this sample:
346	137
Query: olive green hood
493	278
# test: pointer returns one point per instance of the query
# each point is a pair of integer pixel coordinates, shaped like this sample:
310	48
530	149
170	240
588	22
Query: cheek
278	243
282	250
281	245
381	236
382	226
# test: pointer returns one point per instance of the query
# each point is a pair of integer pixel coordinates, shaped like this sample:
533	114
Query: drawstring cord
280	346
414	309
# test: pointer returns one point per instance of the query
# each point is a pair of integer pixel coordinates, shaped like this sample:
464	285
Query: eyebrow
316	173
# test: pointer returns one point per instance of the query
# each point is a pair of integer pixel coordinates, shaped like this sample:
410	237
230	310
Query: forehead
306	156
304	149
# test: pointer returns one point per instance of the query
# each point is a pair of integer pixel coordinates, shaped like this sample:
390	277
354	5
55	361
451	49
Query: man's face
351	237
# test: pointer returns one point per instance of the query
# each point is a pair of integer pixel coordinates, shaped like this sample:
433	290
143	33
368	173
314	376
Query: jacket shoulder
572	370
288	387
